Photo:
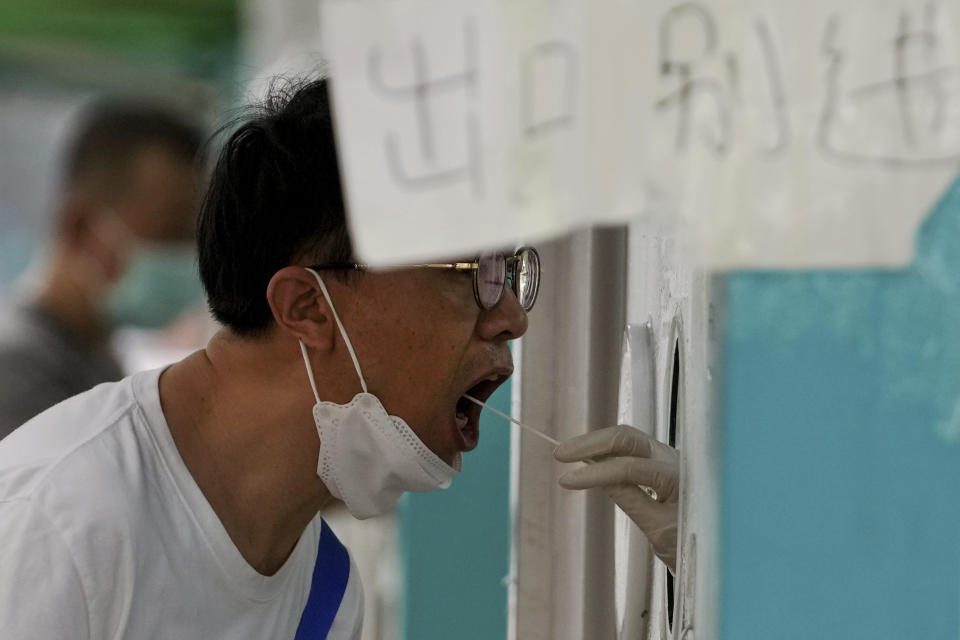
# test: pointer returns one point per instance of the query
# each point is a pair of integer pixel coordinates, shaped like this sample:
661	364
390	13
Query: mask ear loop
343	332
306	361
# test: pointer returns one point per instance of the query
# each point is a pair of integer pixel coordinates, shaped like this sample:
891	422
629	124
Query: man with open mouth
185	502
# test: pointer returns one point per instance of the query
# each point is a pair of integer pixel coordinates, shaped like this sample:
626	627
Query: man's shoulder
71	508
74	446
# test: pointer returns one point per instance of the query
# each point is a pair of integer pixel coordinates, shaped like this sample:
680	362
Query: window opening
672	441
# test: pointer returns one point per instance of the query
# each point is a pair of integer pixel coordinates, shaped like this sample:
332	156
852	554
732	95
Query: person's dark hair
111	131
274	198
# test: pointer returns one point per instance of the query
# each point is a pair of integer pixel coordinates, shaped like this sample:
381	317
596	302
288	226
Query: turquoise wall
841	448
455	544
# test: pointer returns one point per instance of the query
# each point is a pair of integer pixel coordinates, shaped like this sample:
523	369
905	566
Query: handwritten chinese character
421	92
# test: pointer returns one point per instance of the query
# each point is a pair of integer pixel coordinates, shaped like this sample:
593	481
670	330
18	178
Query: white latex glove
624	460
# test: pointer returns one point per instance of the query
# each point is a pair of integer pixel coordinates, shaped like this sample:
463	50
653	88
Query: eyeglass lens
526	277
523	277
490	277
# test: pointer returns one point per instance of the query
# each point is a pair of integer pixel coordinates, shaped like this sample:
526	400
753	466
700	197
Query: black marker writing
421	91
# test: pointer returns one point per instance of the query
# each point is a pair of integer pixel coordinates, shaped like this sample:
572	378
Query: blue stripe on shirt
330	574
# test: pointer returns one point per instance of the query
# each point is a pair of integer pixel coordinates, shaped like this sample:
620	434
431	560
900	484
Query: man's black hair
110	133
274	198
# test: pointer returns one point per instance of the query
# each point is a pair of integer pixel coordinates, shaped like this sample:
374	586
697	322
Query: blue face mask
160	283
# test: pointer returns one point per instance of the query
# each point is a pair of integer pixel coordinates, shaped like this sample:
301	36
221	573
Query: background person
121	252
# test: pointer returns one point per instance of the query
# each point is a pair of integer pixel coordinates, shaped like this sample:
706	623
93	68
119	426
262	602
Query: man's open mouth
467	414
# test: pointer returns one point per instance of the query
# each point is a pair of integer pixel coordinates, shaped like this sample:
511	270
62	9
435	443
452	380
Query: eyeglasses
492	272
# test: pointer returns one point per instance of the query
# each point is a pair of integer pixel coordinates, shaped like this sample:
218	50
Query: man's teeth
461	420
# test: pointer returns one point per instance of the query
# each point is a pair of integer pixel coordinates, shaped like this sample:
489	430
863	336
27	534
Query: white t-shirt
105	534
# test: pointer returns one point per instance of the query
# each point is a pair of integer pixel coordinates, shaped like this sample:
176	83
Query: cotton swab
535	432
648	490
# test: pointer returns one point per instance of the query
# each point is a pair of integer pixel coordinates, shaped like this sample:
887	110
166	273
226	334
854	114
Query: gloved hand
624	460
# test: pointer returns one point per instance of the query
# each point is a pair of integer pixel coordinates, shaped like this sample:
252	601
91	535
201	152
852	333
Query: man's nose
506	321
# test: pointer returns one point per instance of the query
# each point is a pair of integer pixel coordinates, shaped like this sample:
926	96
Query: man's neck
248	441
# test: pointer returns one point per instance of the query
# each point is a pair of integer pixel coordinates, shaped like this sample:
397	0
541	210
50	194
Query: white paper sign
790	134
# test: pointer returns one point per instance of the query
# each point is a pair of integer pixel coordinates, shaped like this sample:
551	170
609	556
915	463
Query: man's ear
87	232
300	309
75	218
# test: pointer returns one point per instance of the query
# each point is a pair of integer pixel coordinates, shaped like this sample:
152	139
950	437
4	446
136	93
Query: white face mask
369	458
